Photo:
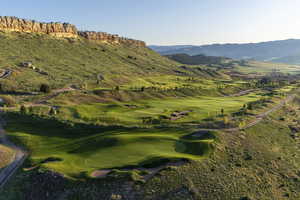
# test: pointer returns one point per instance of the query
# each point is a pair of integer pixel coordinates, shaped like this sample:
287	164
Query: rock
63	30
109	38
31	26
26	64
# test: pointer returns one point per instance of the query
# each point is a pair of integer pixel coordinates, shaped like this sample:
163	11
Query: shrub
23	109
52	111
8	101
45	88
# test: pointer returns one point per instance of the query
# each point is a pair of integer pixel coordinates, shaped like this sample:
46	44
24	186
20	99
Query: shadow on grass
85	139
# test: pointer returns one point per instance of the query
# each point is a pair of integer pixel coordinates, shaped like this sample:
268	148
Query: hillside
63	59
293	59
197	59
263	51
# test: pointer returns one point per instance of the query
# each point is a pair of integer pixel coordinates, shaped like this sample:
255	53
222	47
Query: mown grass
133	112
81	148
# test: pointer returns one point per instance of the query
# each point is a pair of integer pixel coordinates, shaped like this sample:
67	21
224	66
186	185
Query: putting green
83	149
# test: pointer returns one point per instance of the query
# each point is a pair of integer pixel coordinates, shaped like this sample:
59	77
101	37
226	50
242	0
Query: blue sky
171	22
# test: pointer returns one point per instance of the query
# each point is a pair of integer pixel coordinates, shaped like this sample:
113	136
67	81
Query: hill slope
196	59
67	61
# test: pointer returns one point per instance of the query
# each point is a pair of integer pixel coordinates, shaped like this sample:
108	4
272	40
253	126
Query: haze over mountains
285	51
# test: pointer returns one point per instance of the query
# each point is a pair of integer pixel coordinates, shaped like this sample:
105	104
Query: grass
6	155
268	67
258	163
133	112
83	149
62	59
101	127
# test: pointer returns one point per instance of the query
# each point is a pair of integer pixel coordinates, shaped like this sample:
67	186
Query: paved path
6	74
18	159
258	118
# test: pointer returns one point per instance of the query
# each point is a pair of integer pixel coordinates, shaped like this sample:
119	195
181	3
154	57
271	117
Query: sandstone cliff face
30	26
63	30
109	38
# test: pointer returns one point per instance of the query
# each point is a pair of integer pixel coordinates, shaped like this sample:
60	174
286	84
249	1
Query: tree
30	110
52	111
45	88
222	111
249	107
23	110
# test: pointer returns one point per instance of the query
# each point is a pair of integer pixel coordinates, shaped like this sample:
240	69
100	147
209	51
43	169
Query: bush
8	101
45	88
23	110
52	111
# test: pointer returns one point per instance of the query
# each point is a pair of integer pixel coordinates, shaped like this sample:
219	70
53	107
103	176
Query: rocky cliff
62	30
109	38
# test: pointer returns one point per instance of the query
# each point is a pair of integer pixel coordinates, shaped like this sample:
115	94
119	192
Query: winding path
18	160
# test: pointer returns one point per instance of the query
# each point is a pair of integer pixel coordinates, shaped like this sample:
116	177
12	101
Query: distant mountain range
285	51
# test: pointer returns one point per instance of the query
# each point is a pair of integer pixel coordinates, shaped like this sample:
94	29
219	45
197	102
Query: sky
170	22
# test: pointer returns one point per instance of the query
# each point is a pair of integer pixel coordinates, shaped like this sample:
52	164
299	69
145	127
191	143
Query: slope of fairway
199	108
78	149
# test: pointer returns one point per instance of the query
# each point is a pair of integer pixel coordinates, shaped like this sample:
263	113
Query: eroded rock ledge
62	30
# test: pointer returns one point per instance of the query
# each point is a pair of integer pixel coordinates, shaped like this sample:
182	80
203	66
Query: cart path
18	159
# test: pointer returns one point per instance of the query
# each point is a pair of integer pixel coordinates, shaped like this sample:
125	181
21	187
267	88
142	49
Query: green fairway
133	112
80	149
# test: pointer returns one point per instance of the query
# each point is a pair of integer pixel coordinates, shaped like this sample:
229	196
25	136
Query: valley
97	116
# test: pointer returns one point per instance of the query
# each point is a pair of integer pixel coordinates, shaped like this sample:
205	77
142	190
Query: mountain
279	50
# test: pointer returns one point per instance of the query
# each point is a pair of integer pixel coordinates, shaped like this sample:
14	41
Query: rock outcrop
62	30
31	26
109	38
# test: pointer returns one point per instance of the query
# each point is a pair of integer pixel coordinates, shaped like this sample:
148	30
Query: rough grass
6	155
79	62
